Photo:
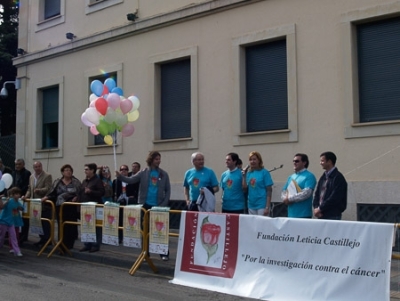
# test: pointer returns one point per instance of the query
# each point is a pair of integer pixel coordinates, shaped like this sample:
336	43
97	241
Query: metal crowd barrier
51	240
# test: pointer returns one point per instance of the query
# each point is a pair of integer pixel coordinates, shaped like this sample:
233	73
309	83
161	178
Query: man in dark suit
330	198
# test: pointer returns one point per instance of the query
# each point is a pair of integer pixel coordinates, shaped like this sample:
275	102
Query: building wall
105	40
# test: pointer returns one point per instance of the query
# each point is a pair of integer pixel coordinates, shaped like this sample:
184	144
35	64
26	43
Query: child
9	208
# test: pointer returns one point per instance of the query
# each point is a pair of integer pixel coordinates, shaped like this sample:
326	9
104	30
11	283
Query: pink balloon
126	106
93	130
85	121
127	130
113	100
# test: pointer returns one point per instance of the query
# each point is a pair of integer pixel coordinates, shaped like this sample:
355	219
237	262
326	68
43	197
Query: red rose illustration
229	183
209	237
131	220
253	182
159	225
88	217
110	219
35	212
154	180
196	182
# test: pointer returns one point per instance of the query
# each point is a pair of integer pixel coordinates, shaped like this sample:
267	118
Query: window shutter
52	8
175	100
266	87
50	105
379	70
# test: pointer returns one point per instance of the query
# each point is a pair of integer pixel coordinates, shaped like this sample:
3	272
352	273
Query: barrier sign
280	259
35	216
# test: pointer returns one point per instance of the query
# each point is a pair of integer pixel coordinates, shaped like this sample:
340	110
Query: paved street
104	276
63	278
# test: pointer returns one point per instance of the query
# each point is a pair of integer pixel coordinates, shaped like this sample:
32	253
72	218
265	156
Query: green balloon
102	128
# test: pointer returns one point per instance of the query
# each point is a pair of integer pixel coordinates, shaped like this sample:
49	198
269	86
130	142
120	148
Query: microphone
246	168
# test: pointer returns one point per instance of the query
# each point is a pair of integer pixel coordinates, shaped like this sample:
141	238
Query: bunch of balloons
110	111
5	181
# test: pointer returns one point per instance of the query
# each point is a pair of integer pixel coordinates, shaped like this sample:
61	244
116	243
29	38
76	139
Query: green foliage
8	50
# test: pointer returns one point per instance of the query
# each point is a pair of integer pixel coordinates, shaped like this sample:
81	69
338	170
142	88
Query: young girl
10	208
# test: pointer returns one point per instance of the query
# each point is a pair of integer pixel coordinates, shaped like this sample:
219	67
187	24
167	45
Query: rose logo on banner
209	237
214	247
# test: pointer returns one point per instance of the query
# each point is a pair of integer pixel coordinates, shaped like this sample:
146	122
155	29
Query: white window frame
352	127
155	96
240	136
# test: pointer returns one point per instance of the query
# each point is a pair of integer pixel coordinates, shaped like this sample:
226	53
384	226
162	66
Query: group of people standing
244	190
249	189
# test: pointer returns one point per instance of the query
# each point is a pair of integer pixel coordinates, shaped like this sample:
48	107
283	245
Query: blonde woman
258	183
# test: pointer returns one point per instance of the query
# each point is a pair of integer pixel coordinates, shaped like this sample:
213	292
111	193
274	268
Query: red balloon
105	90
101	105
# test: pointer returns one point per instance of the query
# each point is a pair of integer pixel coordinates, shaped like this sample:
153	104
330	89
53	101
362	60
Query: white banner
281	259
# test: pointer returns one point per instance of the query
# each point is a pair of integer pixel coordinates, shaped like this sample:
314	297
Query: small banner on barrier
35	215
132	227
281	259
159	230
88	222
110	224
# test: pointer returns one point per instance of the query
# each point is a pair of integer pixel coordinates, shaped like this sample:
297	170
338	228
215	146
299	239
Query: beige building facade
320	105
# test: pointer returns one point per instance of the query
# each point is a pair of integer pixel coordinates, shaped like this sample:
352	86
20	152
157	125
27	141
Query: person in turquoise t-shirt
298	190
10	208
258	183
196	179
233	200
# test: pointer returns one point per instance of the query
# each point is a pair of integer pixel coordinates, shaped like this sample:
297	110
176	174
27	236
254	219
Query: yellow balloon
108	140
133	116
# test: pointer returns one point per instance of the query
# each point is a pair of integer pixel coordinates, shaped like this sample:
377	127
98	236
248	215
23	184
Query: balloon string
369	162
115	154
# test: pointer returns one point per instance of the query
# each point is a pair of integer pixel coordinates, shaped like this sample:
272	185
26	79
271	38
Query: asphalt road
63	278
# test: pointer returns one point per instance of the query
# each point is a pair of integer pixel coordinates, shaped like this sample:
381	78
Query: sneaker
164	258
18	254
11	251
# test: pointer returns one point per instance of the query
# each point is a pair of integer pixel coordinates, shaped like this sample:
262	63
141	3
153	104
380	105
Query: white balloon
7	179
135	102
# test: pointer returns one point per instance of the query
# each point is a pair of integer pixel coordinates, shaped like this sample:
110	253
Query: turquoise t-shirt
10	215
152	190
257	183
304	179
231	184
196	179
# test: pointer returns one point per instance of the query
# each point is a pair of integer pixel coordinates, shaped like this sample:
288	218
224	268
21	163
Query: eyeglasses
86	168
121	169
296	161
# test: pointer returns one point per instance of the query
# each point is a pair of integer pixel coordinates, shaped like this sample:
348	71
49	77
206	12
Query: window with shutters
174	78
50	13
52	8
98	5
50	118
47	107
175	100
265	92
371	74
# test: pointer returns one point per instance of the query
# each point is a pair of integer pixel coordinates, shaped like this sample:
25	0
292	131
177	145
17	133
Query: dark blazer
23	180
132	191
335	198
97	190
